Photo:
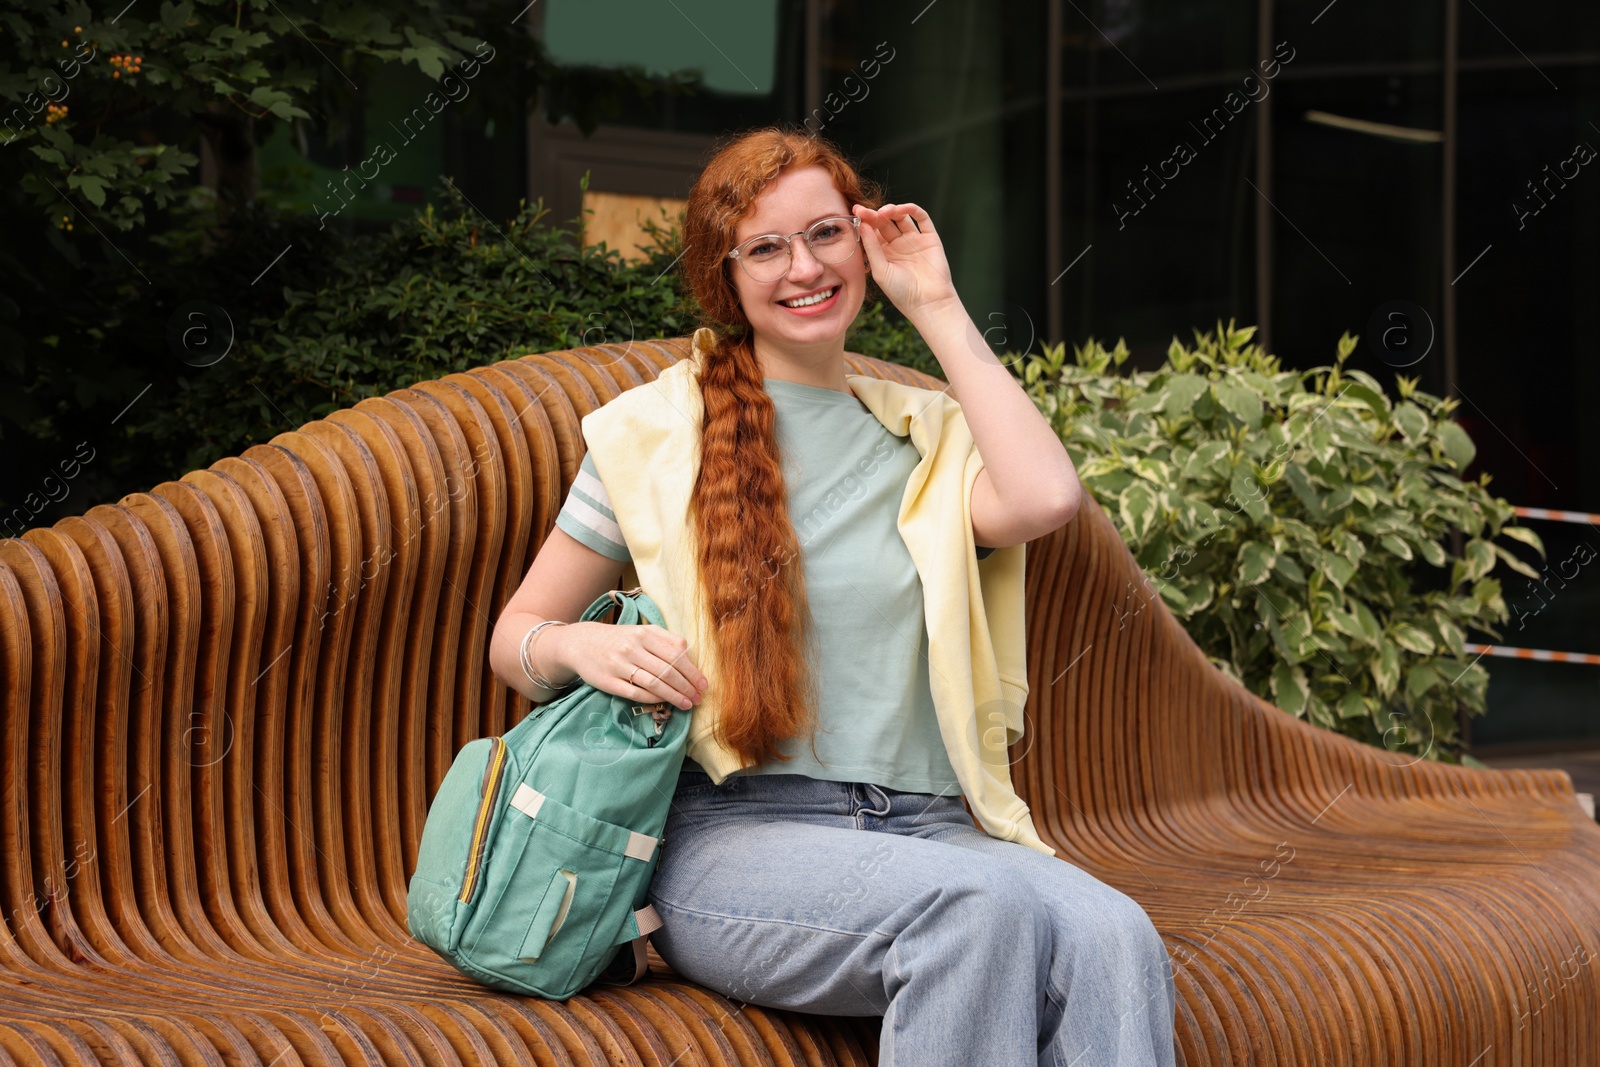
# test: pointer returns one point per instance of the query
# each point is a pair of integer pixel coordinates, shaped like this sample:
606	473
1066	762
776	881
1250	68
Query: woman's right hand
606	654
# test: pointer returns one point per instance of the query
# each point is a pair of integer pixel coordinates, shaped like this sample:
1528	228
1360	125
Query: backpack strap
615	973
649	922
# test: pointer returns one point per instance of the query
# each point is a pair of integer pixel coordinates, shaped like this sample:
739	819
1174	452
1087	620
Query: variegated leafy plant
1299	523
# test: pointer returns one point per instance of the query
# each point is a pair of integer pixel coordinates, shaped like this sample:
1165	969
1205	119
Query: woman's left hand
906	256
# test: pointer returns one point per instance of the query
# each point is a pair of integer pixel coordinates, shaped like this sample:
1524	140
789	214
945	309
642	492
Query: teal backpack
536	858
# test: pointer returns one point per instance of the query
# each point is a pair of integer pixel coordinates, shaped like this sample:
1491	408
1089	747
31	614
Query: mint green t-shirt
846	474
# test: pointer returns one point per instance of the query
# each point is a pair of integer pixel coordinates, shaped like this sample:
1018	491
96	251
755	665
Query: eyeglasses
768	257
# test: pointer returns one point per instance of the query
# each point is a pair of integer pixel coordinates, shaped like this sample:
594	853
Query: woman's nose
802	263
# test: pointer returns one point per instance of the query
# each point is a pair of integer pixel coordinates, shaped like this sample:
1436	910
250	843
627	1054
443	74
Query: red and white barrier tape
1534	653
1588	518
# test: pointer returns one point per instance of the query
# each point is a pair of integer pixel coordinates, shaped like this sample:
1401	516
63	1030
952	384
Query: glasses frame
788	245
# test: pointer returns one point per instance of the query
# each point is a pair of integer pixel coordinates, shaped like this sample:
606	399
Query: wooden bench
227	702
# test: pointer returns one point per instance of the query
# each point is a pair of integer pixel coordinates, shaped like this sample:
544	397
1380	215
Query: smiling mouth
814	298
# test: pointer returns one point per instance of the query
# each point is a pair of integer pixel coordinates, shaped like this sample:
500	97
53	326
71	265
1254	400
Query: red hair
749	555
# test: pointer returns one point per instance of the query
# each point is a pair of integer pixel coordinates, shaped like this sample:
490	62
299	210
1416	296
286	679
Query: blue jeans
972	949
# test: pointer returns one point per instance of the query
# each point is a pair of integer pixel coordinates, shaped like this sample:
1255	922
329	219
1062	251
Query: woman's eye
765	248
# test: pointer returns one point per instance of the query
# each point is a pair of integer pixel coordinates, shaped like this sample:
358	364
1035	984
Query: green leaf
1248	494
1099	467
1207	459
1371	632
1412	638
1412	420
1289	569
1348	545
1526	536
1456	444
1302	642
1290	691
1240	401
1516	564
1451	637
1112	483
1479	558
1370	397
1385	667
1154	470
1352	705
1255	563
1336	567
1137	505
175	16
1310	497
1433	552
244	42
1187	597
1396	545
1268	474
105	165
1419	679
429	59
94	189
1346	623
1181	392
1473	680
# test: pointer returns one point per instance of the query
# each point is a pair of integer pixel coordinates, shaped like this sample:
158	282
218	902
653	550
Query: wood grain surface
228	701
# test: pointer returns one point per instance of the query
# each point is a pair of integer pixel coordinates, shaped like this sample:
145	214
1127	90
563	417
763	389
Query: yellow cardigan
646	445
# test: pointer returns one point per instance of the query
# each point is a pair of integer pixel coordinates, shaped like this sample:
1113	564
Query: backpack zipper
491	789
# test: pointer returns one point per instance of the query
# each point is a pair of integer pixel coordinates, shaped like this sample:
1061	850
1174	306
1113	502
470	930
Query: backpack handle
632	605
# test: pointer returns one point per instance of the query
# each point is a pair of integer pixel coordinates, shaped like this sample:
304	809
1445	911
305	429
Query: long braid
749	555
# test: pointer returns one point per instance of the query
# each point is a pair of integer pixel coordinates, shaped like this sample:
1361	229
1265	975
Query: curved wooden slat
1158	774
227	702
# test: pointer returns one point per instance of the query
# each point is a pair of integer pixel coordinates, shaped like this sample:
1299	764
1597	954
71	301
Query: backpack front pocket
554	877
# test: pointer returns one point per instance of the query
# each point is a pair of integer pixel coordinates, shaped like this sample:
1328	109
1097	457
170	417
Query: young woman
821	859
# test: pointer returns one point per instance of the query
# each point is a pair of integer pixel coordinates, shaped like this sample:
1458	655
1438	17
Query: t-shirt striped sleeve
587	514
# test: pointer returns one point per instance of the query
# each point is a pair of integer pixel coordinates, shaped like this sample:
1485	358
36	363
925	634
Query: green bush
436	294
1296	522
312	319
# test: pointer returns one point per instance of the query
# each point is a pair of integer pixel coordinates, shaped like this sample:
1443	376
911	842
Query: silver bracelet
525	655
